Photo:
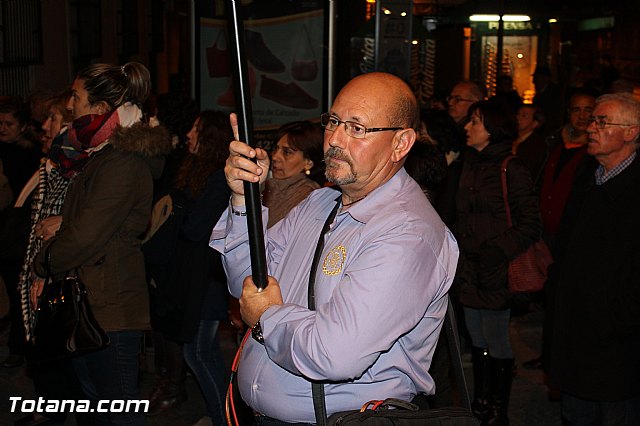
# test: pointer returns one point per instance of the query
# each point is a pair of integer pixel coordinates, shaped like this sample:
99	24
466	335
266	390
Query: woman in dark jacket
487	245
111	158
191	294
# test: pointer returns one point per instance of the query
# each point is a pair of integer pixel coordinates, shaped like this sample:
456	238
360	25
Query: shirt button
254	387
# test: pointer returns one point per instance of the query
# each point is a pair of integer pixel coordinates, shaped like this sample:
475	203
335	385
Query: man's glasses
601	122
351	128
456	99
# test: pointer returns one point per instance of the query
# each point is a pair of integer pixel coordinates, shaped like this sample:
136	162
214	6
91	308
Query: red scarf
71	150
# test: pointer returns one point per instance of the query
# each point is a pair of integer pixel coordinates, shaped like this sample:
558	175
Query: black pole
245	132
500	52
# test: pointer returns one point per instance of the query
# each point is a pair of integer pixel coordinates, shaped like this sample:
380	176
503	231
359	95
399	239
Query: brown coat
106	210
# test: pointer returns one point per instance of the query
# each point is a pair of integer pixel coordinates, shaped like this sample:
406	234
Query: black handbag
65	325
401	413
392	411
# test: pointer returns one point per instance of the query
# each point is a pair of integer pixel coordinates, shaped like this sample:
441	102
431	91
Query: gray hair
628	107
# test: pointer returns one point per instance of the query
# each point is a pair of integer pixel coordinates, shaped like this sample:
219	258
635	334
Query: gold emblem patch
333	262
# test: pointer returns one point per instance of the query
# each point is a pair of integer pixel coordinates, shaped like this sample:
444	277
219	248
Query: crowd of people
372	217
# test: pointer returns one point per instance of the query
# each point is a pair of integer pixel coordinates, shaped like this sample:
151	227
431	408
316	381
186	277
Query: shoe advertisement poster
284	52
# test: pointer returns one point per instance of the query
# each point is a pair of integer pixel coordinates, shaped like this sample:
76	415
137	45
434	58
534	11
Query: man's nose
339	136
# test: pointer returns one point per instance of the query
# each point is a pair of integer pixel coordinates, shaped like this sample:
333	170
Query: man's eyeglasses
601	122
456	99
351	128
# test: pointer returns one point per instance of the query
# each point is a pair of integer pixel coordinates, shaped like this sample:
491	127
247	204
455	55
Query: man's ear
403	141
632	133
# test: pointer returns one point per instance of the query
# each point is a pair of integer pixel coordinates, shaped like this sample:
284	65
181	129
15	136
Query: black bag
65	325
393	411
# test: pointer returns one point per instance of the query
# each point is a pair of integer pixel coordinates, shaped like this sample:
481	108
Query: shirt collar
602	176
380	197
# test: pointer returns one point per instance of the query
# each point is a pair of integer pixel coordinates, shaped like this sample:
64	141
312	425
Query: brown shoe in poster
218	57
259	54
304	66
287	94
304	70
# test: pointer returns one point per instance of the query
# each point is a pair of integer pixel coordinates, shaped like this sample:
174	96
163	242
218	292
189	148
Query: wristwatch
256	333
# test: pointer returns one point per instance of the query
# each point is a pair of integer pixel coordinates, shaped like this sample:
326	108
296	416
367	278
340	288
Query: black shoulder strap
451	332
317	389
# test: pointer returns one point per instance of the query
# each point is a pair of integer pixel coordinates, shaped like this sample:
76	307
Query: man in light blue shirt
382	277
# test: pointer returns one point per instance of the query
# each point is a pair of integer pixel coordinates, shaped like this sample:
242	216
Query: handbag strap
451	333
503	179
73	273
317	389
47	261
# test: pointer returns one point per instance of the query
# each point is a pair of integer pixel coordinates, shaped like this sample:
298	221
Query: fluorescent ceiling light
506	18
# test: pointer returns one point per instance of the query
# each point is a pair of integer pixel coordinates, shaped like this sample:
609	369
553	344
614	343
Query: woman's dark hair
307	137
21	112
500	122
442	129
177	113
214	135
16	107
116	84
427	165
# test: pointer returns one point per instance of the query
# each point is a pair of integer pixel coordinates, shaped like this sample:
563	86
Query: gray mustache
337	154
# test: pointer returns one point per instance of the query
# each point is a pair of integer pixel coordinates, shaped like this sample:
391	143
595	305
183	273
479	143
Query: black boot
481	383
501	379
169	391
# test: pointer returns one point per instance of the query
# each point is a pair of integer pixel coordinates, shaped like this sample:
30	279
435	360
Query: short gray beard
330	169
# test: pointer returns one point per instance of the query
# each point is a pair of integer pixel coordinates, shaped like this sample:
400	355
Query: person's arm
229	235
115	188
385	292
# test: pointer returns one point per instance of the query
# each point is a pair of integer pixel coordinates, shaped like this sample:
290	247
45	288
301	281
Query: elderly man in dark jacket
595	349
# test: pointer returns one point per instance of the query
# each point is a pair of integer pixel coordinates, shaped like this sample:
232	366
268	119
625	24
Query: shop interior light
495	18
553	20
